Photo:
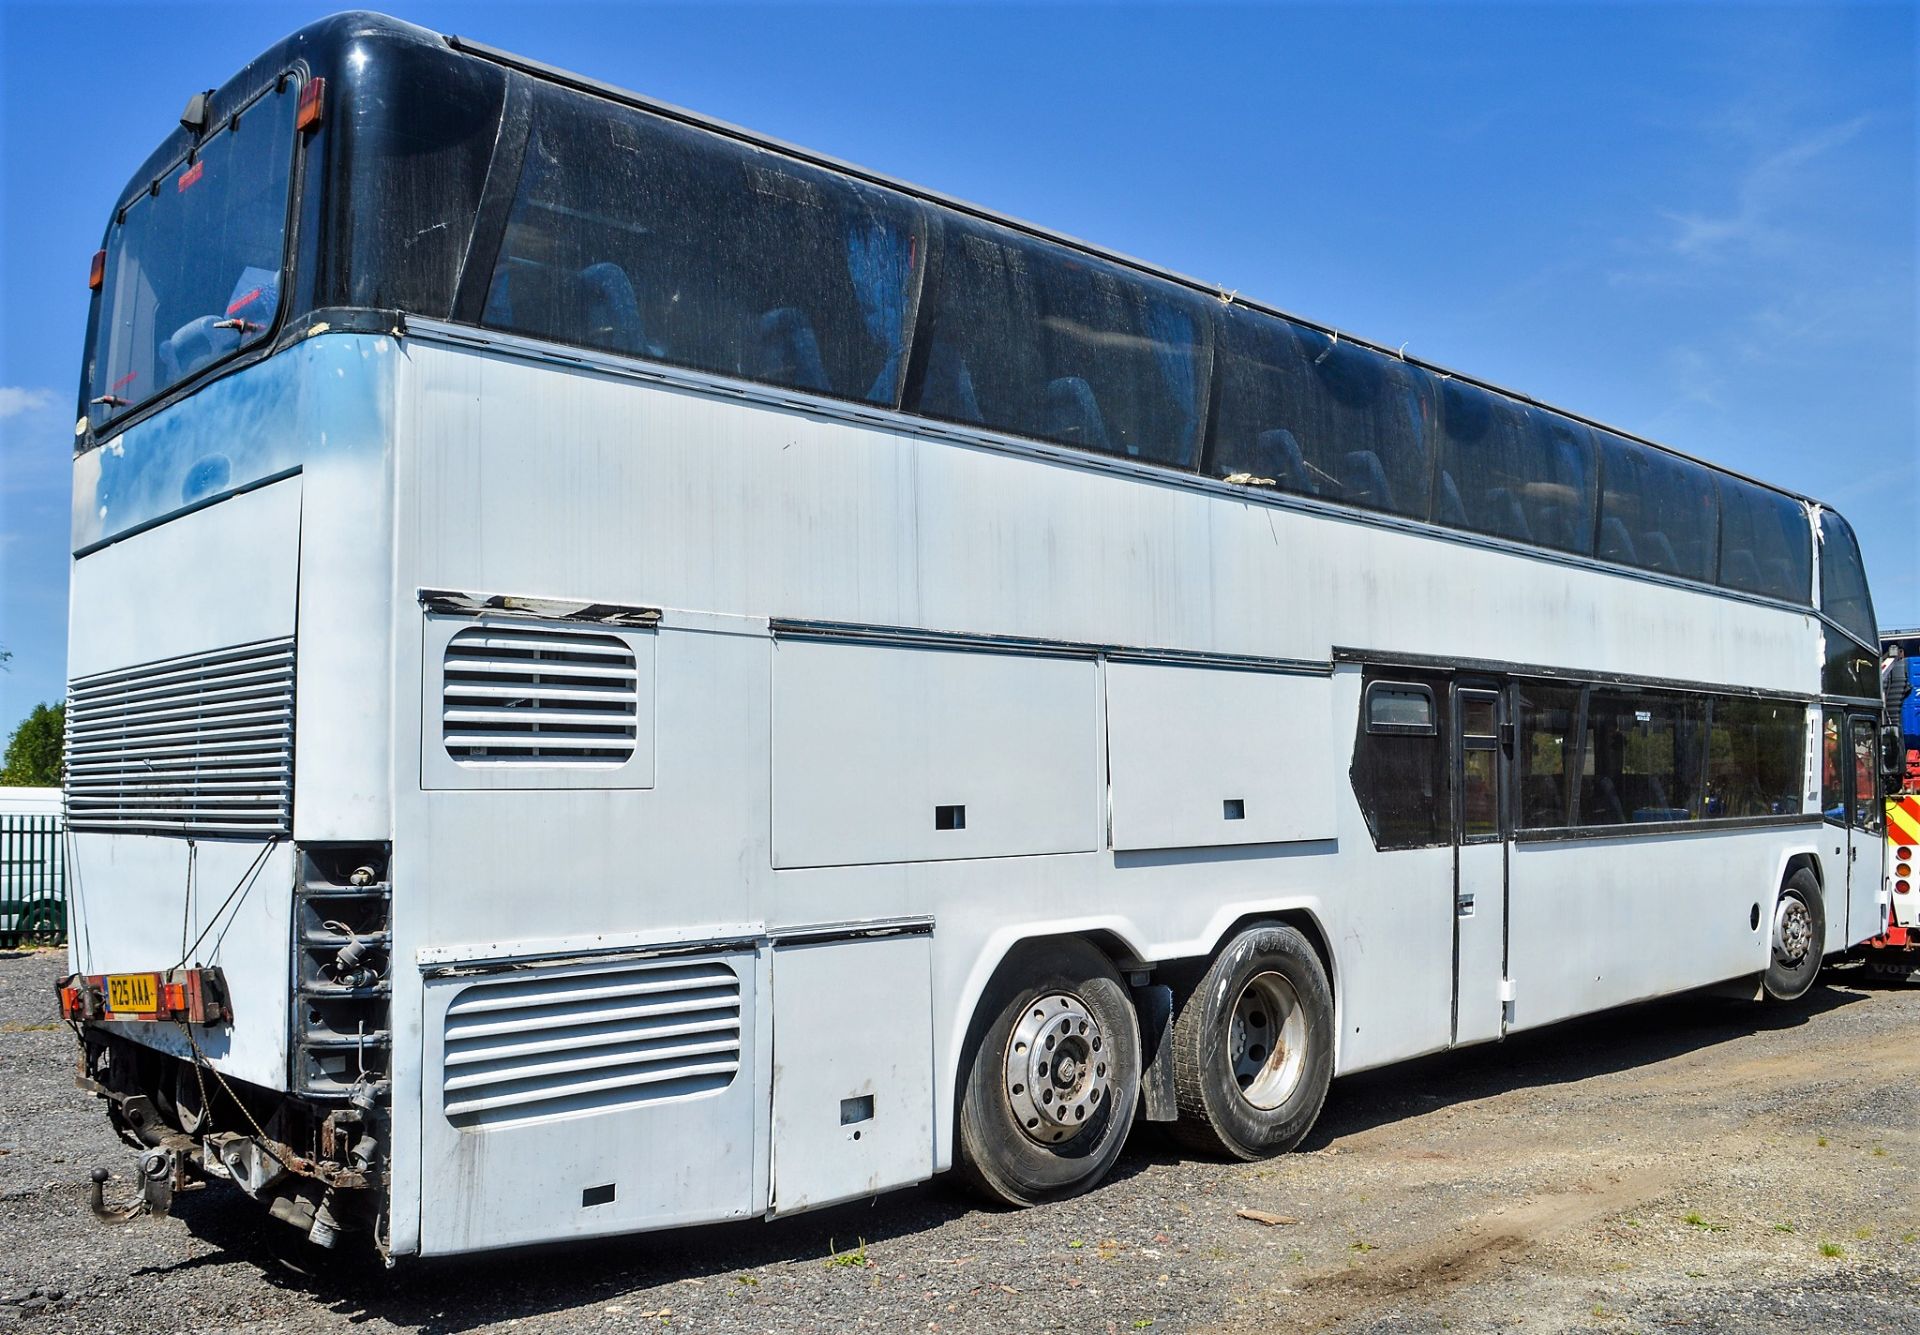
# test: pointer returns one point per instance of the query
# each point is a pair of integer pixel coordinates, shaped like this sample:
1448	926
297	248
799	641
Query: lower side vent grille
590	1041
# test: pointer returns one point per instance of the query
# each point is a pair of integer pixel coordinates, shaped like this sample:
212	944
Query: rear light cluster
197	996
312	105
1903	870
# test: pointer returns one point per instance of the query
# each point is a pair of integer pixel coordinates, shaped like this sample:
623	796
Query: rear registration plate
133	993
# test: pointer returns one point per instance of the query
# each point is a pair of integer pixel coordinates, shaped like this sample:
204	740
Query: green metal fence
33	881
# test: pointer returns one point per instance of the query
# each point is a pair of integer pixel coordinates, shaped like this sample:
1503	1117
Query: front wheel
1253	1046
1053	1076
1797	938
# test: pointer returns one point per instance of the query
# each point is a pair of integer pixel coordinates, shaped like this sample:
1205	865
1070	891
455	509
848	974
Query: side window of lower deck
1549	735
1641	758
1755	758
1400	771
1623	756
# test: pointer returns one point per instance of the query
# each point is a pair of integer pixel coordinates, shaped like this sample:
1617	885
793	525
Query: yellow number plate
133	993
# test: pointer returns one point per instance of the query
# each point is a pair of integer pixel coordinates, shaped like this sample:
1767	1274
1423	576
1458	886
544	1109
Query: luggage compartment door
594	1095
852	1067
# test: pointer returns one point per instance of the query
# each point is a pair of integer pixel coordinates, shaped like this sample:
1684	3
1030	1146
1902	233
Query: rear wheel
1797	937
1052	1078
1253	1046
44	923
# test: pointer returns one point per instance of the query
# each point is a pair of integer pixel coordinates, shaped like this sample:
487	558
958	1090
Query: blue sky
1695	221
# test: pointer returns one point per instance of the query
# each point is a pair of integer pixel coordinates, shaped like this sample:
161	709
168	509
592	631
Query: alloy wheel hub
1792	931
1057	1072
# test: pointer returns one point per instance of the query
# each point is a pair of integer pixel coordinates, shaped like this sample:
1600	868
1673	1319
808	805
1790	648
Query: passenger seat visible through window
1616	544
786	352
1073	417
1364	482
612	310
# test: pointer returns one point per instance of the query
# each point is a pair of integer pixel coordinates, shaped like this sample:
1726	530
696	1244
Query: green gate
33	881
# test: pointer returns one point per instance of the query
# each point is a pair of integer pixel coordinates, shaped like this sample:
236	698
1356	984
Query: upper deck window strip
997	340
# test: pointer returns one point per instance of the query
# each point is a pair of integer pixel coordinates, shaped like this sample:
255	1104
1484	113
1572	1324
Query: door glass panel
1476	715
1479	795
1868	814
1834	760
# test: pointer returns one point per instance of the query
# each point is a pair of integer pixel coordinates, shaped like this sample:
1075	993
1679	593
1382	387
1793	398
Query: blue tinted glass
193	269
661	241
1322	417
1657	510
1040	340
1766	545
1843	581
1514	471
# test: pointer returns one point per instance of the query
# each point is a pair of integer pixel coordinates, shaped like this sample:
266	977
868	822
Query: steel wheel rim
1267	1040
1058	1069
1792	930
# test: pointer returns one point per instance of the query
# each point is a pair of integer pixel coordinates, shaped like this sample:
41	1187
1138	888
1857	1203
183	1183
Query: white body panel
1205	757
142	904
806	518
1092	658
871	740
854	1116
224	575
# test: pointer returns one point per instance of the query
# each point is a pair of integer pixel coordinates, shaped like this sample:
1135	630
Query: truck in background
1896	951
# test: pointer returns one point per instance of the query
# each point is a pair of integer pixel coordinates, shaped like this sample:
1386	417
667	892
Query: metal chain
266	1141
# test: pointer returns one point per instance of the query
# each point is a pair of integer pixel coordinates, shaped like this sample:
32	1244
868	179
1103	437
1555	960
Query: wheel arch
1809	860
1121	942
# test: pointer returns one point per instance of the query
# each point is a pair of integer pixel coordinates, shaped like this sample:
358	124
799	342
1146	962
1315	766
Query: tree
36	750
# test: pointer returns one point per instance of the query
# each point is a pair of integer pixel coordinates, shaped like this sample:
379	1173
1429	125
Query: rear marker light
312	105
97	271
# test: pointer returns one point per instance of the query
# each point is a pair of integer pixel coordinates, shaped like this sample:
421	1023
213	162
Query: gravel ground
1691	1165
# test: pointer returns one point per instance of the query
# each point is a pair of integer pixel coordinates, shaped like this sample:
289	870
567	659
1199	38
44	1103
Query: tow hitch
156	1173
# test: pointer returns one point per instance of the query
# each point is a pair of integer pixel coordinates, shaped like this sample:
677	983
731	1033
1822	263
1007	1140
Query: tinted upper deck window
1843	579
1036	339
1514	471
1657	510
641	236
1322	417
1765	542
415	131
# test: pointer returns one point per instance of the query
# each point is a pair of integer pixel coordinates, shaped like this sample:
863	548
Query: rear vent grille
188	745
531	696
523	1048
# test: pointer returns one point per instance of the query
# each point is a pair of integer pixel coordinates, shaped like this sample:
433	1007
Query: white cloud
15	400
1763	192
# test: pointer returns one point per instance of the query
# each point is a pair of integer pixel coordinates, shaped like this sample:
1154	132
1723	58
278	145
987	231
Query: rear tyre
1797	938
1052	1078
43	924
1253	1046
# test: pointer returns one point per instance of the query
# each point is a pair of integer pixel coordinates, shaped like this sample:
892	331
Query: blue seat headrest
1073	416
786	352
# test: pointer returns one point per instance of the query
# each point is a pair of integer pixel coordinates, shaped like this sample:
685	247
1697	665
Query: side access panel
1204	757
593	1096
852	1068
897	753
